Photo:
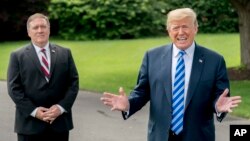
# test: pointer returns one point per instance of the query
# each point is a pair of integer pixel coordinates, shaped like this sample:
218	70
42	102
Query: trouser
45	136
174	137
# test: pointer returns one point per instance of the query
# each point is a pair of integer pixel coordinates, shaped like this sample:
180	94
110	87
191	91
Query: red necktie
45	64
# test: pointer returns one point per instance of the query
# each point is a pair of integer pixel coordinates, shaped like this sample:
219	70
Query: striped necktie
178	95
45	64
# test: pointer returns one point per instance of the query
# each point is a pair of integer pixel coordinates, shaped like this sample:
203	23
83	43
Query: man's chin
182	46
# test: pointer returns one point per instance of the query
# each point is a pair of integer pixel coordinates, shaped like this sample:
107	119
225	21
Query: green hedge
112	19
125	19
214	16
108	19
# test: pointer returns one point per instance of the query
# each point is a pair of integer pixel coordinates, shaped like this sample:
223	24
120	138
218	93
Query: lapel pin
200	60
53	51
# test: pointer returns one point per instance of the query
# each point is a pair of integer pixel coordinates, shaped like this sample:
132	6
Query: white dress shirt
188	60
38	51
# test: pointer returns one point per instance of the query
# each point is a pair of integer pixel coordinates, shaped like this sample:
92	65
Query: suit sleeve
73	84
15	87
141	93
222	82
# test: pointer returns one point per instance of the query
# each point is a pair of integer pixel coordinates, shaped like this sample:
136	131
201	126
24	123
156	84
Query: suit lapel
197	69
166	62
31	52
53	54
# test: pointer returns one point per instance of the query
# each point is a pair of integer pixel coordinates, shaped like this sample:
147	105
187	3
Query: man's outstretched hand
225	103
116	102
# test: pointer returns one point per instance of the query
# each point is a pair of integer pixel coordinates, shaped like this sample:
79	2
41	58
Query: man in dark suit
43	83
185	84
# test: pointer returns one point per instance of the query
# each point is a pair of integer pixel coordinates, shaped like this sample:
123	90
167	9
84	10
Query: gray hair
37	15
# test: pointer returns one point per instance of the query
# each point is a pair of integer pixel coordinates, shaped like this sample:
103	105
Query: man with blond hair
184	82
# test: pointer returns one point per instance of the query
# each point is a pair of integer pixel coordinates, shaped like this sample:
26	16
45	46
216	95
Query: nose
39	29
181	30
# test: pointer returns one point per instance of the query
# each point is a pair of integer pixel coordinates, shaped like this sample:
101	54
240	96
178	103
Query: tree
214	16
14	14
243	9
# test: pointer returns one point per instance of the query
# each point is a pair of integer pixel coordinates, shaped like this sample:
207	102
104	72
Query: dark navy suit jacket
207	81
29	89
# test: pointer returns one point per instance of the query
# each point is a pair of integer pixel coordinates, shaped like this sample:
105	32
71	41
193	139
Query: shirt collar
189	51
38	49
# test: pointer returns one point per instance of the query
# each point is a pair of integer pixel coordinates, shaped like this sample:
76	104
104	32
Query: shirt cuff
61	109
33	114
126	113
218	114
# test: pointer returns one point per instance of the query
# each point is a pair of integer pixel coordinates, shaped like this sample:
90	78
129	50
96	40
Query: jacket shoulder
21	49
58	47
160	49
208	52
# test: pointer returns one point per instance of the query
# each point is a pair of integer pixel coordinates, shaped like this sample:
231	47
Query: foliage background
107	19
126	19
112	19
14	14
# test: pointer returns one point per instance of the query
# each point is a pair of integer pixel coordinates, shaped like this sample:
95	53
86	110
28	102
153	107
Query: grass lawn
241	88
107	65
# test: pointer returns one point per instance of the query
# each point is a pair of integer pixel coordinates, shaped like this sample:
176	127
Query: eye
185	27
39	26
35	27
43	26
175	28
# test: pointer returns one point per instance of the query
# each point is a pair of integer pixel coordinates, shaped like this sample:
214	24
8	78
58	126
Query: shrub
214	16
107	19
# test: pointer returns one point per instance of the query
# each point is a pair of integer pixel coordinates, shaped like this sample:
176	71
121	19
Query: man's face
182	32
39	31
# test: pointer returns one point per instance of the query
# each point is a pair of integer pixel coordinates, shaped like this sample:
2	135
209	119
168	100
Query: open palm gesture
225	103
116	102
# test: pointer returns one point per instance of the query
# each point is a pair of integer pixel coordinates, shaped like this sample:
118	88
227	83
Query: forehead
38	21
183	21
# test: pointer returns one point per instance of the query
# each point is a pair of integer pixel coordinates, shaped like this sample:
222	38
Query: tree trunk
243	10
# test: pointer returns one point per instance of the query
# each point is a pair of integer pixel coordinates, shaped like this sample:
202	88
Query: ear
28	33
196	30
167	31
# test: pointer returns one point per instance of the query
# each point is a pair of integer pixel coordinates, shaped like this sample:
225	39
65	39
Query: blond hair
181	13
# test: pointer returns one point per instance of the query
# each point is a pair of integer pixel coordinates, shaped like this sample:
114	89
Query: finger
42	109
225	93
235	98
53	108
236	101
45	120
48	113
108	95
108	103
49	118
233	106
121	91
113	108
104	99
51	114
51	122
